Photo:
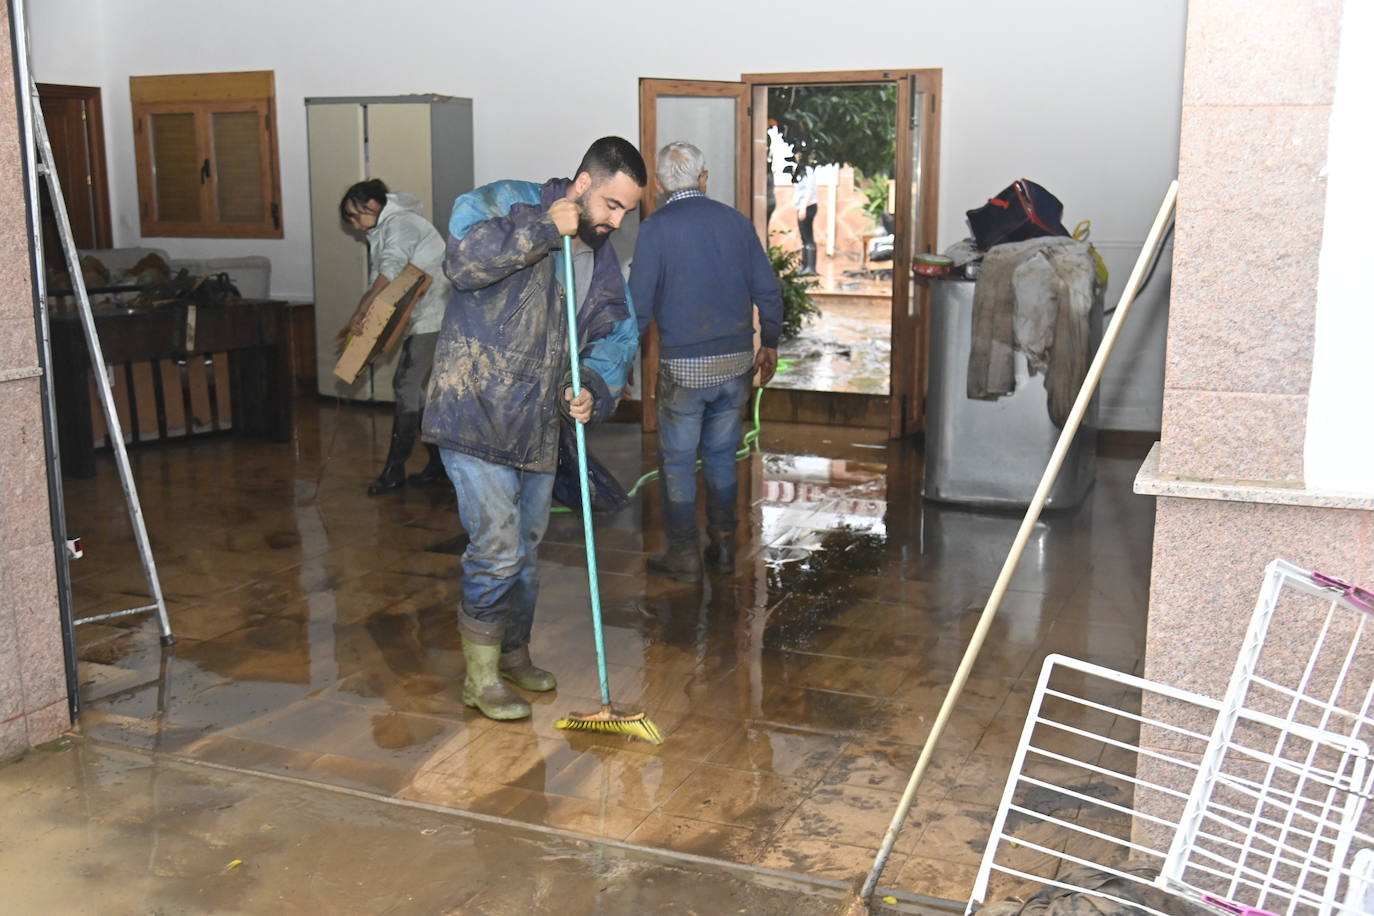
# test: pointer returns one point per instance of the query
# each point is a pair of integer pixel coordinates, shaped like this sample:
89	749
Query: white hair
679	166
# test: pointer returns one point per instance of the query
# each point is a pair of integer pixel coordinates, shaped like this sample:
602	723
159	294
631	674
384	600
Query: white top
403	236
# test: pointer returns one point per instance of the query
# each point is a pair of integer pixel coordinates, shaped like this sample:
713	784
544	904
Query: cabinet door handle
205	171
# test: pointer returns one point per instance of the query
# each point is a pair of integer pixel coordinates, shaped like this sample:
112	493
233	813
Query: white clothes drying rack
1254	804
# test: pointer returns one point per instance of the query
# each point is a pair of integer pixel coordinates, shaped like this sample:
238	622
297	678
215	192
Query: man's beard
587	230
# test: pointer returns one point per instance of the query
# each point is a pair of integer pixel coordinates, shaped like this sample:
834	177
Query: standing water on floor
316	638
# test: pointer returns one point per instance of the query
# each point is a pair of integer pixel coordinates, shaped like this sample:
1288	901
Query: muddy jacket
502	359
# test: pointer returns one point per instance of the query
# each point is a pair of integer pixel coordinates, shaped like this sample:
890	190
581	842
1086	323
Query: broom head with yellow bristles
612	721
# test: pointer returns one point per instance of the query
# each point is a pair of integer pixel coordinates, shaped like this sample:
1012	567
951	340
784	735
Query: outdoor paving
316	638
848	347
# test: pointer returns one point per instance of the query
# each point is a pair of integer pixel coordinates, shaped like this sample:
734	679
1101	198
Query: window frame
203	95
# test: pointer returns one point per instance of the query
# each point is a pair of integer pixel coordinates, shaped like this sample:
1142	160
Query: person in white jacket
398	234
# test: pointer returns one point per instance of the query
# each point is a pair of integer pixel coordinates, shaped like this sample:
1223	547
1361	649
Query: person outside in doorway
698	271
398	234
502	383
804	200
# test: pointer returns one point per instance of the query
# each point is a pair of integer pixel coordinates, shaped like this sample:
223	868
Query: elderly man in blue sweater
698	271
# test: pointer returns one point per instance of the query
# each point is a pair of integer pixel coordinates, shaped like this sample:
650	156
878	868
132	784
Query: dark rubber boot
808	261
681	562
517	668
720	552
403	430
720	528
483	687
433	473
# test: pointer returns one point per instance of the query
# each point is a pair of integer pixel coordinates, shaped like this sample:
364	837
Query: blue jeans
705	420
505	512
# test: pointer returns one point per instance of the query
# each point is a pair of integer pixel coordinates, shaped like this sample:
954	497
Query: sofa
252	274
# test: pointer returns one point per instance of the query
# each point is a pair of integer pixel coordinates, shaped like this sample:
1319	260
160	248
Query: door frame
95	154
910	322
910	319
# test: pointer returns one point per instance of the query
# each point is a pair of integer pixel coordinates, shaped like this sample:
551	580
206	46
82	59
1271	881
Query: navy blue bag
606	492
1024	210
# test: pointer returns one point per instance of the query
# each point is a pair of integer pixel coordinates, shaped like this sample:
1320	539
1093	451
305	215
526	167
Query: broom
608	719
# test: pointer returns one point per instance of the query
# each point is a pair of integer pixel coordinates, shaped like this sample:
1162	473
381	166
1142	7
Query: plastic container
931	265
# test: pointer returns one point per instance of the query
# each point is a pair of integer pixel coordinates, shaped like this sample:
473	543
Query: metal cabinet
993	453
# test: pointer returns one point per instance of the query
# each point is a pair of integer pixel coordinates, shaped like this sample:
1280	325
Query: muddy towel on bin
1034	296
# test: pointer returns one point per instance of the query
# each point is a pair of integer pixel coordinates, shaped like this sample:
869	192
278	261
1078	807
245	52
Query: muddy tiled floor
316	637
94	829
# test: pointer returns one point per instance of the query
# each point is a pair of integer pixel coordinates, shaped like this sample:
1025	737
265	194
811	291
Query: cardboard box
384	324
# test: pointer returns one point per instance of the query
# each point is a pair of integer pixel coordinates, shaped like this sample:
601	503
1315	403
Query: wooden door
77	135
916	207
714	116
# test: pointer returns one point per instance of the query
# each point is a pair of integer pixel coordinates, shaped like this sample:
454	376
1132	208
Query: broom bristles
613	722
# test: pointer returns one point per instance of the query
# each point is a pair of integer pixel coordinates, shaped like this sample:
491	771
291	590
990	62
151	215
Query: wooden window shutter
206	153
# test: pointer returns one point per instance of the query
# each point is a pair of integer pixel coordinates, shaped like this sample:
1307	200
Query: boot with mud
404	428
681	562
483	687
720	528
433	473
720	552
516	667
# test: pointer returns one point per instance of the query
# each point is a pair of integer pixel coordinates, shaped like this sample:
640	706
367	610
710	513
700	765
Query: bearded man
501	386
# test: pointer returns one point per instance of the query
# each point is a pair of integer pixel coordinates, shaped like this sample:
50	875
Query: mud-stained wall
33	686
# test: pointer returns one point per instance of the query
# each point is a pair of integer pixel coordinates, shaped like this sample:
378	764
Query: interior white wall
59	51
1078	95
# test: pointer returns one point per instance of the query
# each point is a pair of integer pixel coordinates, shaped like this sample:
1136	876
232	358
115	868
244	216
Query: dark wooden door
76	133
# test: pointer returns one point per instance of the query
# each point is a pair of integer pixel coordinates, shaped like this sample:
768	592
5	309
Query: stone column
33	685
1259	82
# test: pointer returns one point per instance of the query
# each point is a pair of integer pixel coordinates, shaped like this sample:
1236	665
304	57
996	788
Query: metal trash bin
993	453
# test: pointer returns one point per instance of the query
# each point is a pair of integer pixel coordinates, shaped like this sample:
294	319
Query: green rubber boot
483	687
516	667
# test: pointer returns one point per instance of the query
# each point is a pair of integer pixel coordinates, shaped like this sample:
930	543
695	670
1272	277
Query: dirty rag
1035	297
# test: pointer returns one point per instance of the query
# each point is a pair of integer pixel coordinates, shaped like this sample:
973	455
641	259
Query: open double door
729	122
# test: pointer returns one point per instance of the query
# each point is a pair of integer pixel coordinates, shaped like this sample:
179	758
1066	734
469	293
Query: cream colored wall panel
340	258
398	149
398	145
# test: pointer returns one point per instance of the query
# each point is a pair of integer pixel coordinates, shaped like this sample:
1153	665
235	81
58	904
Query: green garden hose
748	442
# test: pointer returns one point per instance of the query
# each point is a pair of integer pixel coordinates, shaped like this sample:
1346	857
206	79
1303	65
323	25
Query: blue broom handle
592	583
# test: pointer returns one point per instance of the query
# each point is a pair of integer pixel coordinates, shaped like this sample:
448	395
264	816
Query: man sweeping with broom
501	382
